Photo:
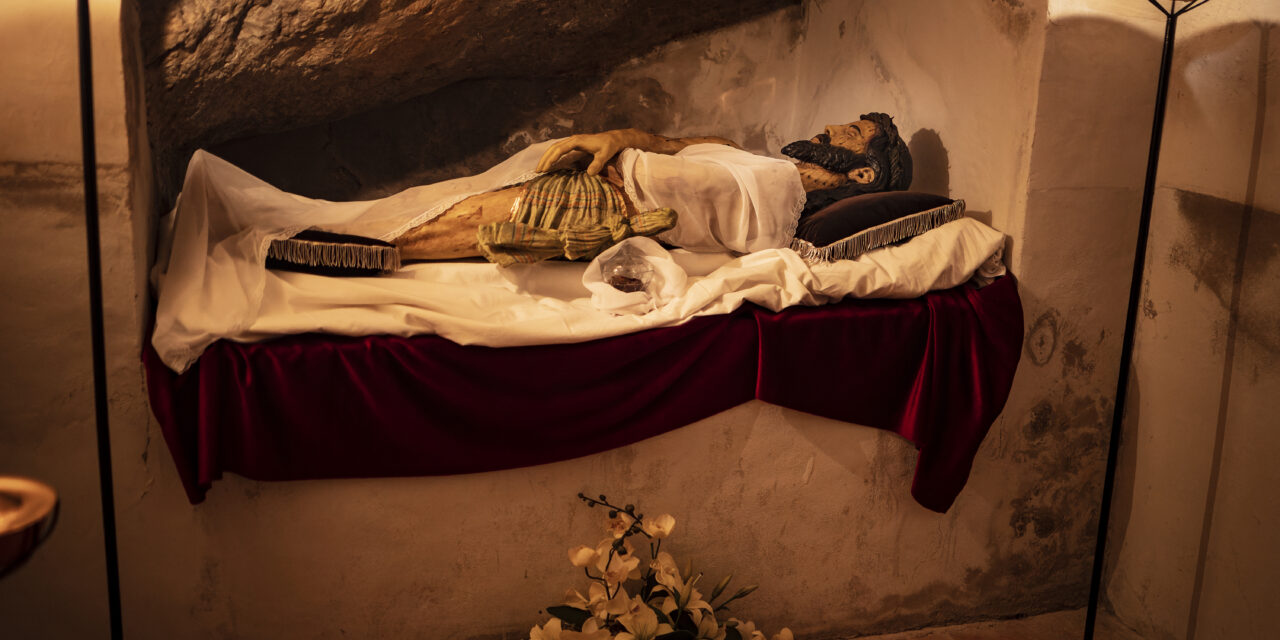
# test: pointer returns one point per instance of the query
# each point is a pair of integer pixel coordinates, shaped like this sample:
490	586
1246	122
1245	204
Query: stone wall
1190	549
46	402
1010	104
756	482
223	70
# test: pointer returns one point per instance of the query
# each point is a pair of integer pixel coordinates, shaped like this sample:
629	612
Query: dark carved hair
826	155
887	155
888	149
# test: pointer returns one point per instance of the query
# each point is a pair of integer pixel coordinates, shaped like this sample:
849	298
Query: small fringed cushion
854	226
333	254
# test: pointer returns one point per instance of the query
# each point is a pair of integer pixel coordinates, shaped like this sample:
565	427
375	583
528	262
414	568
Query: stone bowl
28	514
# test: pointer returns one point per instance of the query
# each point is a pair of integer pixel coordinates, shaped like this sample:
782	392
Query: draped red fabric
935	369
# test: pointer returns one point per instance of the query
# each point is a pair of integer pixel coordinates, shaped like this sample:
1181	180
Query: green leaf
572	615
681	635
646	587
662	617
686	623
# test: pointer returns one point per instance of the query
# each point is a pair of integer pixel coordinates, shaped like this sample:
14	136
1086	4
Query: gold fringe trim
331	254
880	235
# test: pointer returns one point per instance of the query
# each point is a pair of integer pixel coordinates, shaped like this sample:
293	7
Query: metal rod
1193	5
1130	325
92	235
1159	6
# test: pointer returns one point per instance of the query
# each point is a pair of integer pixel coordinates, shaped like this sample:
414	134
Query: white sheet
212	285
726	198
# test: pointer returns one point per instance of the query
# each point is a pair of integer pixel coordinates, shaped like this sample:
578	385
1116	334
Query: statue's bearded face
835	157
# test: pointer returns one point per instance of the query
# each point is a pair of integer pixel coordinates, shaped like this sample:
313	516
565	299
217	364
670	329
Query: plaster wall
1190	552
820	509
46	399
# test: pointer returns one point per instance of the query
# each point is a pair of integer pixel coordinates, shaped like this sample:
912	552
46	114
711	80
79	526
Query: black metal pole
90	159
1131	318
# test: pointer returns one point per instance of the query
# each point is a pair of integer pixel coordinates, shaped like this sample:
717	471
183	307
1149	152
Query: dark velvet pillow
333	254
853	226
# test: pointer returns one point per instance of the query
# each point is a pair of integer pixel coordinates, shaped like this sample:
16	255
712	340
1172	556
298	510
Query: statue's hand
602	147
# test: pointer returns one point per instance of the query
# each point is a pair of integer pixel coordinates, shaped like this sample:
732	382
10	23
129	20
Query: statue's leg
452	234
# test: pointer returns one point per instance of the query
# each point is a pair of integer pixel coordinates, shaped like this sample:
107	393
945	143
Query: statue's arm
602	147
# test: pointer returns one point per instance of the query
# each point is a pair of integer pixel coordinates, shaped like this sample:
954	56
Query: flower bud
720	587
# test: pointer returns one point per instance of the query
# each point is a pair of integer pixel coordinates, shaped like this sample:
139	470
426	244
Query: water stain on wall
1208	251
56	188
1260	300
1013	18
1039	520
1075	359
1042	420
1149	309
1042	339
797	17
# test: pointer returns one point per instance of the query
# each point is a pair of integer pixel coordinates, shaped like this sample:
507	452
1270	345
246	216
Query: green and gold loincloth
567	214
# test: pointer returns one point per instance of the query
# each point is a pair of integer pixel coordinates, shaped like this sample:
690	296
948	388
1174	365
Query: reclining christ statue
706	194
570	198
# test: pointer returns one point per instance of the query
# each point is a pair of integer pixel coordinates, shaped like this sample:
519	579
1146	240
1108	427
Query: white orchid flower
618	566
642	625
617	527
606	546
583	556
619	604
597	598
549	631
591	630
665	570
598	634
620	569
659	527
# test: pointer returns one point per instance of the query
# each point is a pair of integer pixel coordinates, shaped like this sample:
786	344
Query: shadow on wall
932	165
1230	241
457	131
224	70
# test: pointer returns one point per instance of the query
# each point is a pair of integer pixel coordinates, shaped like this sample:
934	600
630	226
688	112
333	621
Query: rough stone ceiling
218	70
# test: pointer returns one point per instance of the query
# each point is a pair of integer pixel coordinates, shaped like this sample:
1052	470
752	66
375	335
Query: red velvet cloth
936	370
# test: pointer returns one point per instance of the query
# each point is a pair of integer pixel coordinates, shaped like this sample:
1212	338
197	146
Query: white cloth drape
727	199
211	282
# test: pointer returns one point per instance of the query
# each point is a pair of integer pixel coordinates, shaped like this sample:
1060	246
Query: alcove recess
349	99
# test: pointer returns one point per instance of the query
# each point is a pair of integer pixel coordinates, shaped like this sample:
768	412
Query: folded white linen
667	284
546	303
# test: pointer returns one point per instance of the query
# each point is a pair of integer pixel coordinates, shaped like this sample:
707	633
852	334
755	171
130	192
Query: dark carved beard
828	156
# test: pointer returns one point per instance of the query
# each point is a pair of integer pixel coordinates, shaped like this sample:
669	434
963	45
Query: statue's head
866	156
